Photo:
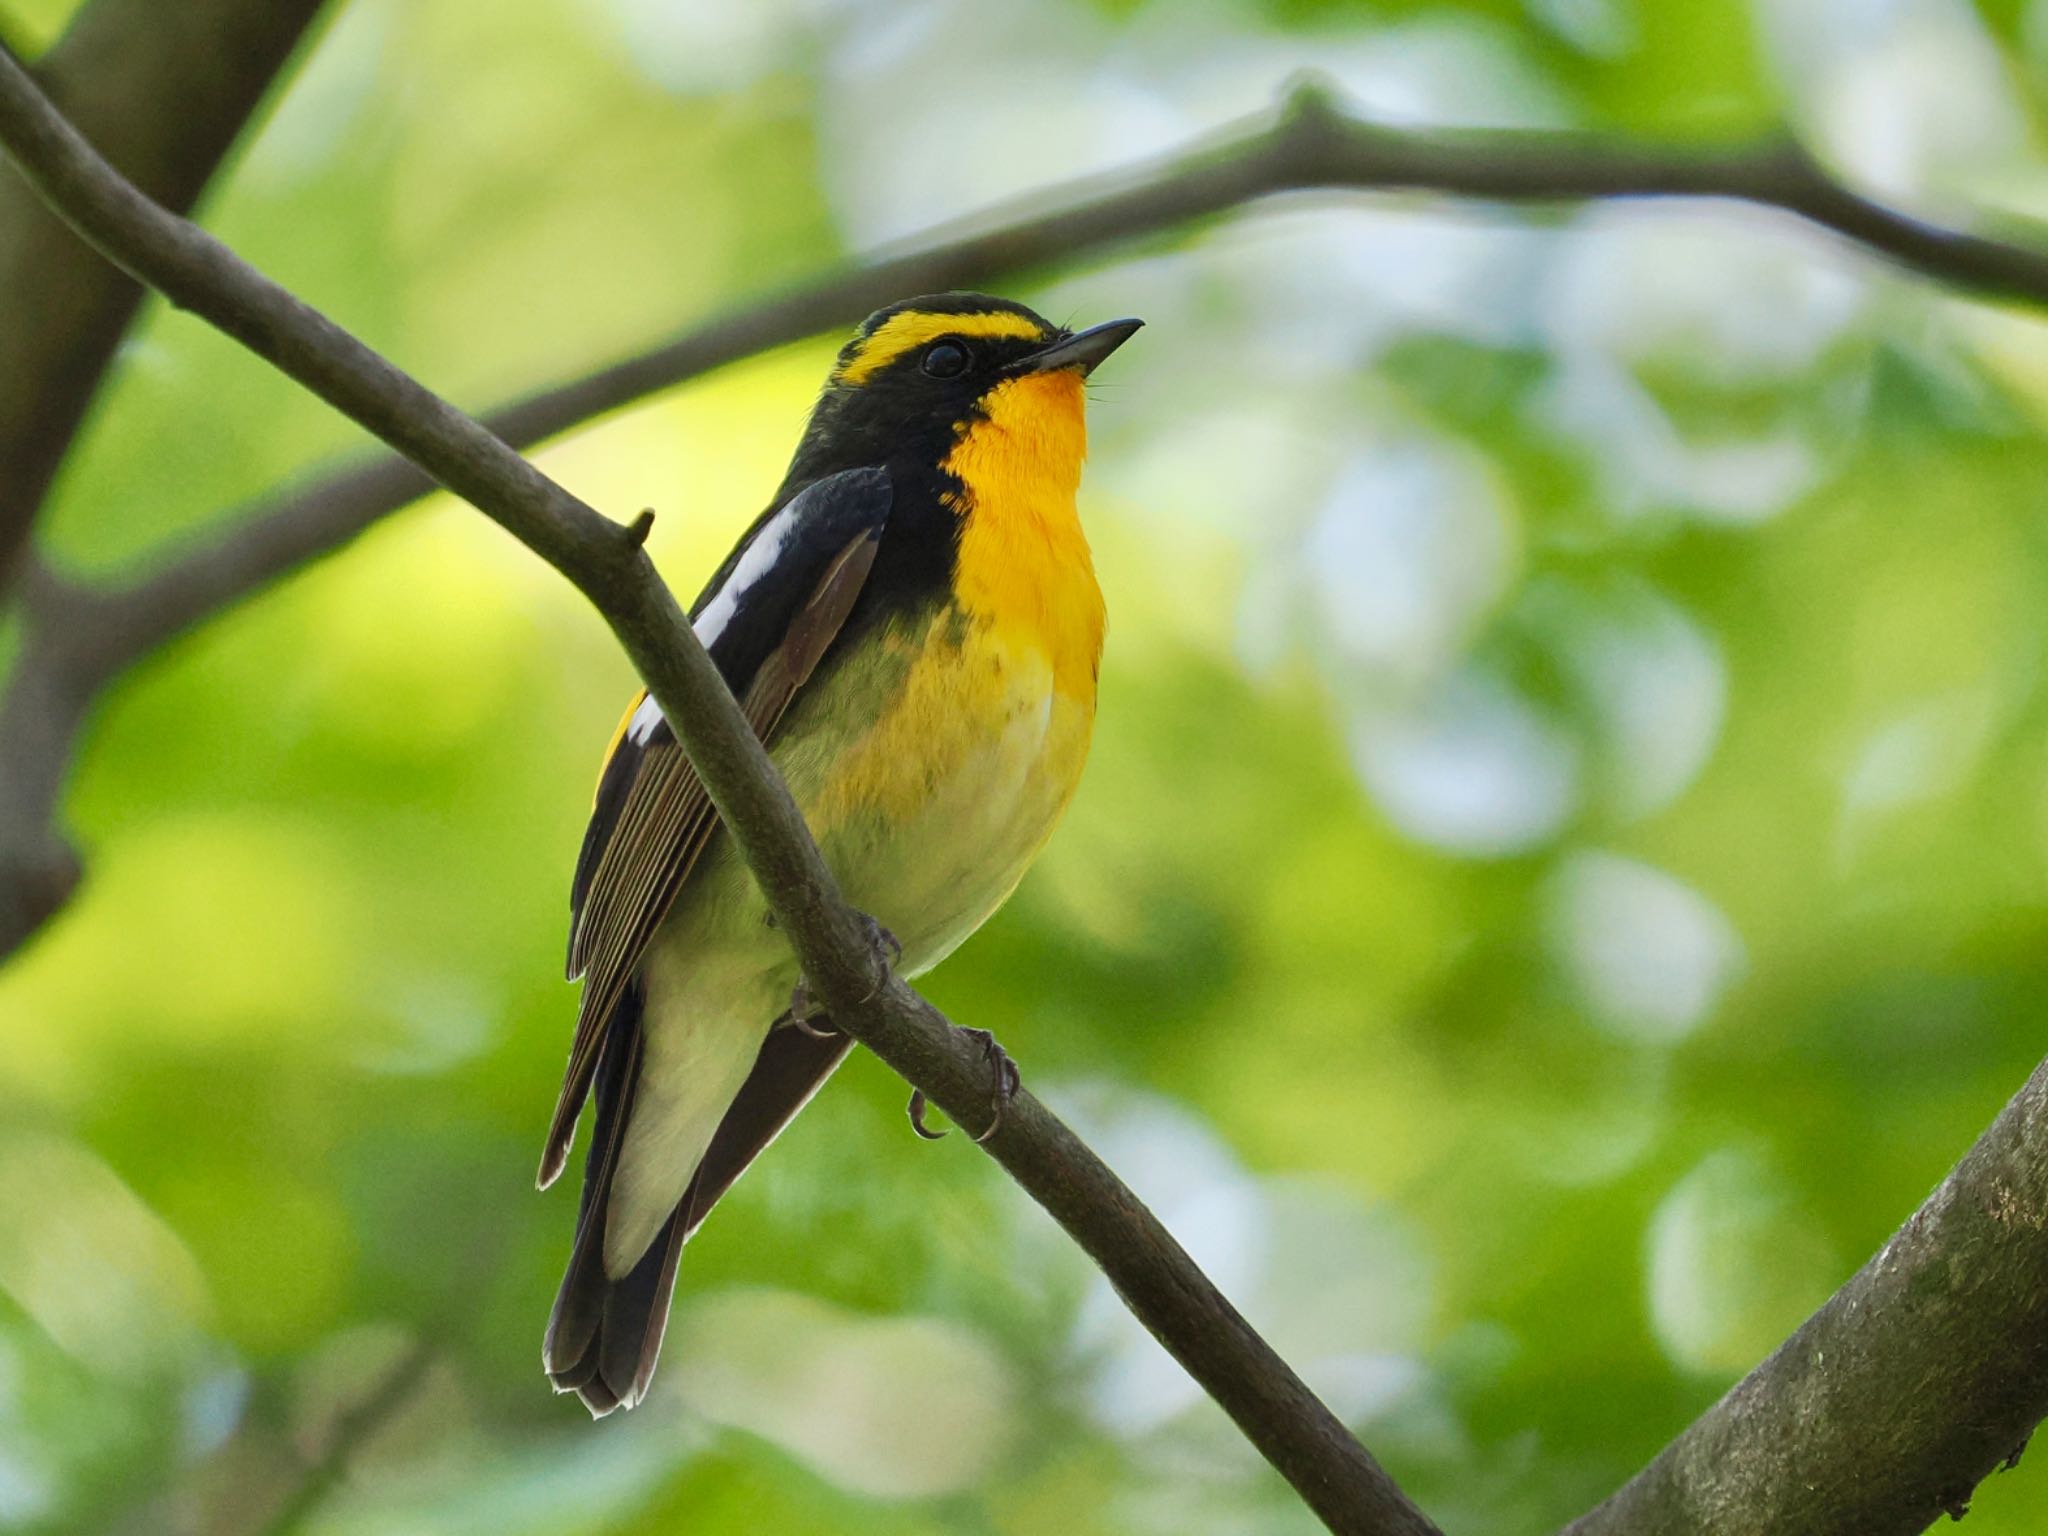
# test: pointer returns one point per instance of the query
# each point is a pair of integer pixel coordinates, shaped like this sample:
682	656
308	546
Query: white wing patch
640	729
760	558
757	562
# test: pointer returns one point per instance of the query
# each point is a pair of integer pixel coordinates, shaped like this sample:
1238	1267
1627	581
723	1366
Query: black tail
605	1334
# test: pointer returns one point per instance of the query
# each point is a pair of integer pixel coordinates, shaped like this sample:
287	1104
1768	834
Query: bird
914	628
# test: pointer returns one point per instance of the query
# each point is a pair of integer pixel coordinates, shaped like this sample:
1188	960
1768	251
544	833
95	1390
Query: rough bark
1924	1373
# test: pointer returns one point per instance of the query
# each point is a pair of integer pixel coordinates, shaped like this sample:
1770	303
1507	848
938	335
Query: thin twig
1333	1473
1311	145
324	1473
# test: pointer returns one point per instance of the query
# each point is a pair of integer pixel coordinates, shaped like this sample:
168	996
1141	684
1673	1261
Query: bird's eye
945	359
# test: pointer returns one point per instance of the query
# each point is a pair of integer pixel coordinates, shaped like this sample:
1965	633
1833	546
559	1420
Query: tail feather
569	1350
605	1334
792	1066
636	1317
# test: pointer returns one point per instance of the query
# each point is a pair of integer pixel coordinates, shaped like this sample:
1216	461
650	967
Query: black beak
1084	351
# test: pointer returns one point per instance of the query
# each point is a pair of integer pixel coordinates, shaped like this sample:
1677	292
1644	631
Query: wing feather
652	818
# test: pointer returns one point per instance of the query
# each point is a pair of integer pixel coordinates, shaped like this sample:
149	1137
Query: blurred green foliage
1564	868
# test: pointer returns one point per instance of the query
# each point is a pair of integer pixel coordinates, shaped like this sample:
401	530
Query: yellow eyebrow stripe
913	328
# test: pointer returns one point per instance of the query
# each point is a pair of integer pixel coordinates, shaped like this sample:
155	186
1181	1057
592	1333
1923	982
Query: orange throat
1024	568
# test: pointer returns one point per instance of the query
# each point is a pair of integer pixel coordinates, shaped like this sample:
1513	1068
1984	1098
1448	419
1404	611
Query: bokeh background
1563	871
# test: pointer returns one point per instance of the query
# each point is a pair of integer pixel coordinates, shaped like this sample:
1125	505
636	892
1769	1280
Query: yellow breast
951	757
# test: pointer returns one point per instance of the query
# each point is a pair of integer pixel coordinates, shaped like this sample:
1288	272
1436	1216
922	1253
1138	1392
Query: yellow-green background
1563	871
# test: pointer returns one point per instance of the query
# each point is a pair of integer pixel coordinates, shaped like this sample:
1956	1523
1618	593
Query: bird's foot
808	1014
1006	1081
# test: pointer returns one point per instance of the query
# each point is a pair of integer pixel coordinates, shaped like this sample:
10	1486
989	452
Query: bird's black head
917	374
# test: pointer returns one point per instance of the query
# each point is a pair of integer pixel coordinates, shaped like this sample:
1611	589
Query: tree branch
1312	145
1926	1371
1891	1403
1333	1473
41	715
164	90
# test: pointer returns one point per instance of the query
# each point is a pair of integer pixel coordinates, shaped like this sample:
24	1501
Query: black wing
770	613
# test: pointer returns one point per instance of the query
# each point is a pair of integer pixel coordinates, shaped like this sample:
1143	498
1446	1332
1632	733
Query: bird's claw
885	944
883	939
1008	1080
806	1015
917	1109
